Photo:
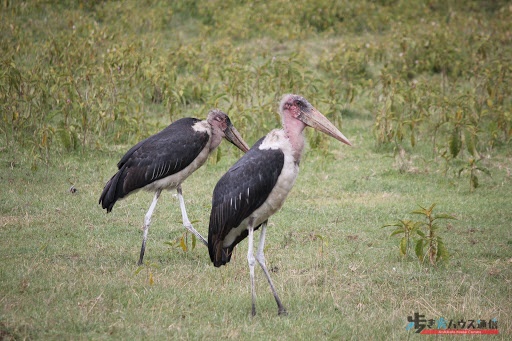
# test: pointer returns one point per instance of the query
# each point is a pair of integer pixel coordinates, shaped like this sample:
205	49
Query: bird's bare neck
216	139
295	132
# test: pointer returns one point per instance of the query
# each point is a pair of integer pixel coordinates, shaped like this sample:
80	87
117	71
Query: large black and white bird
166	159
256	186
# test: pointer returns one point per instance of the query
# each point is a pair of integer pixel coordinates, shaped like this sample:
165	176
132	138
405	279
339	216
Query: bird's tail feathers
110	193
223	257
220	255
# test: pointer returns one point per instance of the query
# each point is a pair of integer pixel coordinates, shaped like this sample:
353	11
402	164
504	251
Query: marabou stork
256	186
166	159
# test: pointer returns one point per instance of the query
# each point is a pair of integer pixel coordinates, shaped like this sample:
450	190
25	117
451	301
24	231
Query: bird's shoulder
262	154
184	129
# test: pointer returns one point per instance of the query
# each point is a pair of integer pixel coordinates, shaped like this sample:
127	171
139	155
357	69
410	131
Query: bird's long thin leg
260	257
252	262
147	221
186	221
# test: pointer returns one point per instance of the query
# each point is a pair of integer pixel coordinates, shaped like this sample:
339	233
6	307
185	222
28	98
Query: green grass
69	270
81	82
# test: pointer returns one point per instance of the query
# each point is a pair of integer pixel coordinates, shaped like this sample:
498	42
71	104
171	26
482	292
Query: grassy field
420	88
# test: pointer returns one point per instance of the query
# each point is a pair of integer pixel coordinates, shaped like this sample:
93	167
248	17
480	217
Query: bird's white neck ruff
290	145
202	126
273	140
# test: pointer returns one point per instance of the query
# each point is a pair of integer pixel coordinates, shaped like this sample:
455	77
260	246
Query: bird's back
161	155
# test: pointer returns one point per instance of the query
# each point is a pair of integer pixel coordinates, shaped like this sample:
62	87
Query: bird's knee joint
260	258
251	260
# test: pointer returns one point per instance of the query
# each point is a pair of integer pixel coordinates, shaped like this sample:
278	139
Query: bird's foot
282	312
191	229
142	251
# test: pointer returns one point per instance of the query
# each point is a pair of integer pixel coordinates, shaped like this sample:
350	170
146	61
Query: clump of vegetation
473	168
182	242
423	235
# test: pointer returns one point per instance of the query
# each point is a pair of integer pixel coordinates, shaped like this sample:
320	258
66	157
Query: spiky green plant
428	245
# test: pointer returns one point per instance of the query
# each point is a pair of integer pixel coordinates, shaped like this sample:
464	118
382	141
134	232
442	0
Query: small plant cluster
182	242
423	235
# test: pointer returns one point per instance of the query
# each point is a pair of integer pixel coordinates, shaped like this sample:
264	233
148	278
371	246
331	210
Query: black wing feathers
163	154
243	189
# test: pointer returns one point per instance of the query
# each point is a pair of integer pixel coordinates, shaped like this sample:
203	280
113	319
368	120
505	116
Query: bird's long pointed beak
316	120
233	136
